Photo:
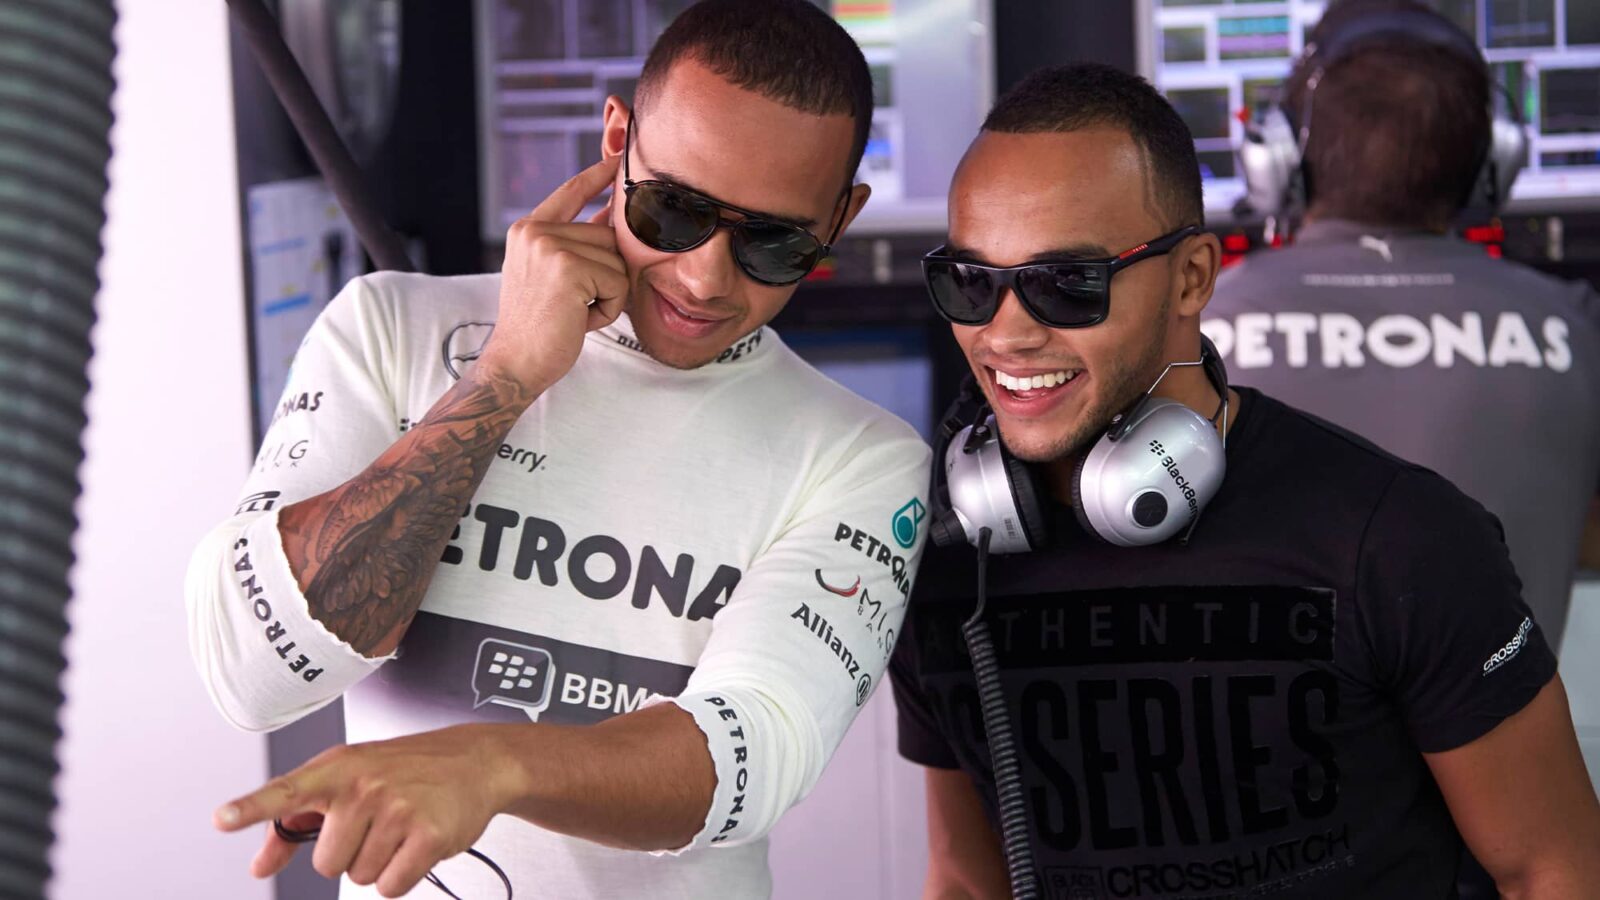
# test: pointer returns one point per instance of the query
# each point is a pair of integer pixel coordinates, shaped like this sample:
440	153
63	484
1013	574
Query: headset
1146	478
1272	155
1150	473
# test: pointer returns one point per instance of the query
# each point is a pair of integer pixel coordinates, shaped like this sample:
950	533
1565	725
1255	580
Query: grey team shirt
1486	371
738	539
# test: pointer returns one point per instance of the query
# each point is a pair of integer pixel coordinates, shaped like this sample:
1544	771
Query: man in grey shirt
1375	318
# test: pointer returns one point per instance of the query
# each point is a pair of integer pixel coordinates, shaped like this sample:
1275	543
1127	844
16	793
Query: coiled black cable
55	124
1002	747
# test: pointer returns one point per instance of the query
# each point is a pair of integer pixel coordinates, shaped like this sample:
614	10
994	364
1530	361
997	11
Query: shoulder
811	401
1573	298
1261	273
1423	510
409	299
406	318
1296	478
1479	273
1316	449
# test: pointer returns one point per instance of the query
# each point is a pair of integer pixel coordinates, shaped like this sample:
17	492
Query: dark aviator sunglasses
675	219
1071	293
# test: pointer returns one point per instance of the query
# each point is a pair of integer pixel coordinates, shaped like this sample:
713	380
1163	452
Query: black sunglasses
1072	293
674	219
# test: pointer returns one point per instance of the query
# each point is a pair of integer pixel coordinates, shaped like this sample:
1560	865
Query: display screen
547	66
1546	53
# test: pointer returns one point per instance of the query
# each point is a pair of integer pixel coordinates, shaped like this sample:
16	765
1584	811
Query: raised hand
561	279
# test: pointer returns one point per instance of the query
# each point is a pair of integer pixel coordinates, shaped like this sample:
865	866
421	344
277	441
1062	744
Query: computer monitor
1219	59
545	68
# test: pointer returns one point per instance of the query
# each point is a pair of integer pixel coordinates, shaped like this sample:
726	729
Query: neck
1187	385
1430	226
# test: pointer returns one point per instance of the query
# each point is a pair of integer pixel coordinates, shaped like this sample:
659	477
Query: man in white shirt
598	563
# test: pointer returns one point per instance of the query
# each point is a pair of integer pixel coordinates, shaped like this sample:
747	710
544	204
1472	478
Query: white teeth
1032	382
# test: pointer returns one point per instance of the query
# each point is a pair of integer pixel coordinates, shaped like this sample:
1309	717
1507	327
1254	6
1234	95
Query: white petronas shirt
739	539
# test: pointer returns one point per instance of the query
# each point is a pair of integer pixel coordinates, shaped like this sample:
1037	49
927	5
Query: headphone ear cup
1025	494
1269	160
1077	499
1505	157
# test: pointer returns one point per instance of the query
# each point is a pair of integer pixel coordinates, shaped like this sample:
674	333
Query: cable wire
1002	746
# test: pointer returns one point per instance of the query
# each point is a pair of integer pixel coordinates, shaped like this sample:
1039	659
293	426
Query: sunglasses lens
667	219
963	294
1065	295
775	253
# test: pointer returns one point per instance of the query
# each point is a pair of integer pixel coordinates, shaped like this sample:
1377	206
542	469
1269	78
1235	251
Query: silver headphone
1146	478
1274	143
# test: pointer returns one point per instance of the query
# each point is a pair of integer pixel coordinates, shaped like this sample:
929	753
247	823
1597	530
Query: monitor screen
1217	60
545	68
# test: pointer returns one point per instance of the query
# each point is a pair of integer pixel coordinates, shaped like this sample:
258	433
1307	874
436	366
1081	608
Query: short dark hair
788	51
1398	127
1084	95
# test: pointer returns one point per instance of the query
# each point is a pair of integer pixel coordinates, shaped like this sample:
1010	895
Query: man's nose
709	270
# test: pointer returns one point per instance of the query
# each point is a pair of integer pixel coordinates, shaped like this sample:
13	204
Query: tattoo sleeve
364	553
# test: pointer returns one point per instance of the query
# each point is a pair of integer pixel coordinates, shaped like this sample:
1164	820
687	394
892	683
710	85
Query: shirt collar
740	352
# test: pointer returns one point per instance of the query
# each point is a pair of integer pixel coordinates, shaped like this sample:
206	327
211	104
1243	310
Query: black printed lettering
1323	772
495	521
1098	764
452	554
1055	803
672	587
1205	730
1157	770
1206	611
1152	624
1302	623
1249	756
1099	626
542	544
578	567
715	594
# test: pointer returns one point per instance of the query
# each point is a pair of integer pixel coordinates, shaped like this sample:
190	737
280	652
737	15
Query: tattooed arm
364	552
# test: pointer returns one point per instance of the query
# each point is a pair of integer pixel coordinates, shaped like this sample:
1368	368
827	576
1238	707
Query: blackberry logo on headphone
907	519
1157	448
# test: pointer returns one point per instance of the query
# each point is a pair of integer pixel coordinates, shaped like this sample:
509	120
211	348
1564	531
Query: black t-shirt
1244	715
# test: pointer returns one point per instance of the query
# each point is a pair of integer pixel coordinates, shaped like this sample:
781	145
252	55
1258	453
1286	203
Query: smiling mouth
1030	387
687	314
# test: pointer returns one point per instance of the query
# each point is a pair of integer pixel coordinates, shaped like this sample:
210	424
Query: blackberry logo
1184	488
512	675
512	671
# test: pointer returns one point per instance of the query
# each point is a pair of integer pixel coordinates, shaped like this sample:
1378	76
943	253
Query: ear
852	206
614	127
1198	260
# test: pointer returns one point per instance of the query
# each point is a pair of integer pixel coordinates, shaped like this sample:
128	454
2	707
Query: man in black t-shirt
1322	693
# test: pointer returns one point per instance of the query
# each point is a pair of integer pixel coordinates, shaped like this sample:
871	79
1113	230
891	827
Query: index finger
299	792
564	204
